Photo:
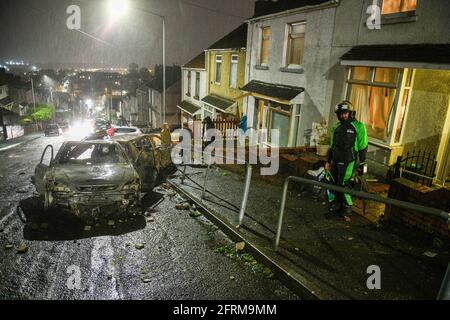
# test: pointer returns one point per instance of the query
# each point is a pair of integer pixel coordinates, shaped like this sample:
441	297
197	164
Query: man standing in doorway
349	141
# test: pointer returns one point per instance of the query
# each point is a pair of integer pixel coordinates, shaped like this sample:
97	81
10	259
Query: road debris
151	219
171	194
430	254
9	246
146	280
22	249
182	206
166	186
195	214
109	276
232	278
240	246
139	246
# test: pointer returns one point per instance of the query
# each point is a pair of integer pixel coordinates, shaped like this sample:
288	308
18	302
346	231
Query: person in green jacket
349	141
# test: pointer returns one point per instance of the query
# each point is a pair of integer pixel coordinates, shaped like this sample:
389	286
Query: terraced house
193	89
397	76
389	57
287	85
225	61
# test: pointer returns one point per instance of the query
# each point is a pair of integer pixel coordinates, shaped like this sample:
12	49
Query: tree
144	74
43	113
133	68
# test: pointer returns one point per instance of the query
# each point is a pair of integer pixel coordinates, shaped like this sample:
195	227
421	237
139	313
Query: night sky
35	31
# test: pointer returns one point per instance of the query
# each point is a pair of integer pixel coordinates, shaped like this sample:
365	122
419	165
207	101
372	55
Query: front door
443	156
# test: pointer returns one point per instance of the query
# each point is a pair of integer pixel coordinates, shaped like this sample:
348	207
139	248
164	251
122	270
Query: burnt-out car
150	158
88	177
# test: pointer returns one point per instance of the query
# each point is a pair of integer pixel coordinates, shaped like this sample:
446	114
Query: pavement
320	256
12	143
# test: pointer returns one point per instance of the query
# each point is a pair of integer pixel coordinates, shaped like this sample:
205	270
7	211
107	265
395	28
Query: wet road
166	254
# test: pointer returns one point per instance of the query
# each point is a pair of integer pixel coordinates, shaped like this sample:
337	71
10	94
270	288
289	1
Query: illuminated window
218	69
265	45
296	44
373	93
396	6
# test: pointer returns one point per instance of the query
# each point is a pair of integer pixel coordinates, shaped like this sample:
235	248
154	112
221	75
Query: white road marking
10	147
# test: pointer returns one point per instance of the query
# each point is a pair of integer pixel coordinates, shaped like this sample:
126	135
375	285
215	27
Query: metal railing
445	287
248	179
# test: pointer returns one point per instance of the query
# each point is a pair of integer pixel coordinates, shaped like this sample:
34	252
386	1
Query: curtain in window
360	100
395	6
373	106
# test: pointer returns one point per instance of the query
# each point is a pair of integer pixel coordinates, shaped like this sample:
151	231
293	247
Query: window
234	70
265	45
188	91
296	44
373	92
397	6
271	115
197	85
404	104
218	69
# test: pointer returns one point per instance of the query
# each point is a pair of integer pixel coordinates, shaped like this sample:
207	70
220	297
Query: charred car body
99	177
87	177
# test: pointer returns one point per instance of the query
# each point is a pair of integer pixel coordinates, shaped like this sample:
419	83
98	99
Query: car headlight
61	188
131	186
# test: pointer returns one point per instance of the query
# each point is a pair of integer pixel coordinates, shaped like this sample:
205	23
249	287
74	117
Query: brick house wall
409	191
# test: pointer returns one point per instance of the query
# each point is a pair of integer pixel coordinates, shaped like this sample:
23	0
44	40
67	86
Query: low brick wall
409	191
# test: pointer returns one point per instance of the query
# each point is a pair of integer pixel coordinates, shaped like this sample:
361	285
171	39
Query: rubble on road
240	246
183	206
22	249
195	214
166	186
139	246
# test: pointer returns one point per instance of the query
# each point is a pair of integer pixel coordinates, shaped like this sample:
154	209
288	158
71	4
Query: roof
236	39
173	75
267	7
428	53
7	100
218	102
279	91
188	107
197	63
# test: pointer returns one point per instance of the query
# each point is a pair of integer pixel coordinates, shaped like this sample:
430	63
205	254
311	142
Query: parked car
127	130
88	177
150	159
52	129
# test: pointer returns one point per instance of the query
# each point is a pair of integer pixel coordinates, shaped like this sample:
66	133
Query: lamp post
117	7
34	102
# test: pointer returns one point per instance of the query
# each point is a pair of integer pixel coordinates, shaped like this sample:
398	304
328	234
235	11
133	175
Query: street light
117	8
120	7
